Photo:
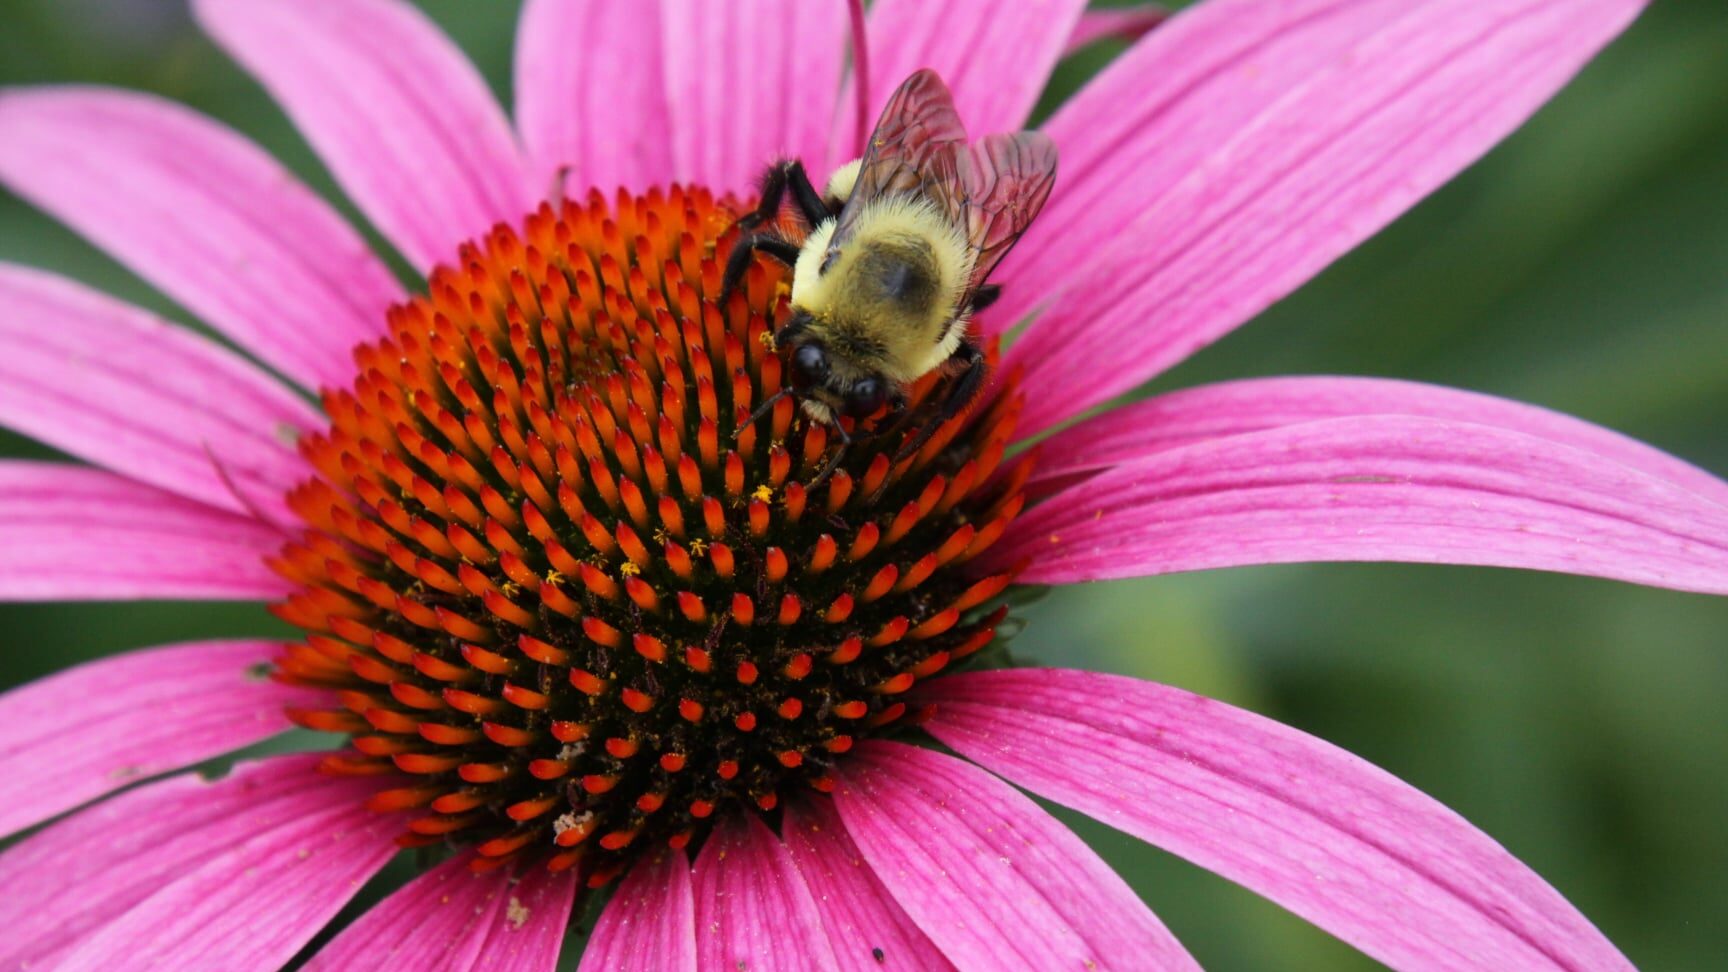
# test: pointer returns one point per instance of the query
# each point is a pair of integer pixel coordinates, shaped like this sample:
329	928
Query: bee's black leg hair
742	253
960	395
787	174
804	194
834	462
985	296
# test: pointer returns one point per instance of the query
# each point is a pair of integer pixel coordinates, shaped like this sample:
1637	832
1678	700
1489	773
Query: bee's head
831	380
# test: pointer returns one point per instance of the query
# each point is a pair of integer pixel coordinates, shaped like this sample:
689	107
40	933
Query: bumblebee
899	248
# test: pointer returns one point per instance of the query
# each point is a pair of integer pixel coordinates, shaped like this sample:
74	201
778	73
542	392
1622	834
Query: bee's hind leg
984	296
960	394
745	250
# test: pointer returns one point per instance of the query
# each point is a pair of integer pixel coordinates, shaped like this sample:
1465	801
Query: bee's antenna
761	410
860	75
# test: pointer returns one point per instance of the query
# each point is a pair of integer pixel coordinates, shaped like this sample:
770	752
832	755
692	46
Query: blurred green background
1583	266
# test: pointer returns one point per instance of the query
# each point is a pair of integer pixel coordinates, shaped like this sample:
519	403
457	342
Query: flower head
558	577
582	623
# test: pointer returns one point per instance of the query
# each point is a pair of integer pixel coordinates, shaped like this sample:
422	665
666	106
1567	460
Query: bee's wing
996	190
918	126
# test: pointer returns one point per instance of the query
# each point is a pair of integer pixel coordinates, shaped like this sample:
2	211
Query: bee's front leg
745	250
833	462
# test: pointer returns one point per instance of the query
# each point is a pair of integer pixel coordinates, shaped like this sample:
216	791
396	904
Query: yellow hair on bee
888	295
839	188
809	264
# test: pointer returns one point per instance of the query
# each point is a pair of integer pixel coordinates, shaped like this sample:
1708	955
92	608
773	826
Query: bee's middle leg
900	411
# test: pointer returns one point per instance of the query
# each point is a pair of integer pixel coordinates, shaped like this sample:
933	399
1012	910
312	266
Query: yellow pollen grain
763	492
517	912
629	569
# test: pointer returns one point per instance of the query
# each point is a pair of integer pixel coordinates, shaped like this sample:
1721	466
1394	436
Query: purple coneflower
578	631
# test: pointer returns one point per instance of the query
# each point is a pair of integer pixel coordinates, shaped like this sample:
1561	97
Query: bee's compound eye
809	366
865	397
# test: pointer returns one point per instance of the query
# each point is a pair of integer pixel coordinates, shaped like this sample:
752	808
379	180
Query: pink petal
860	916
70	533
994	881
1376	488
650	923
994	56
536	916
1245	145
590	94
70	879
1334	839
255	903
106	724
112	384
752	909
205	215
749	81
453	920
1121	23
403	120
1231	408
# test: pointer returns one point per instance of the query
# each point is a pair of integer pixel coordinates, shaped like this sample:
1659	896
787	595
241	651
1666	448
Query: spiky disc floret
551	580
